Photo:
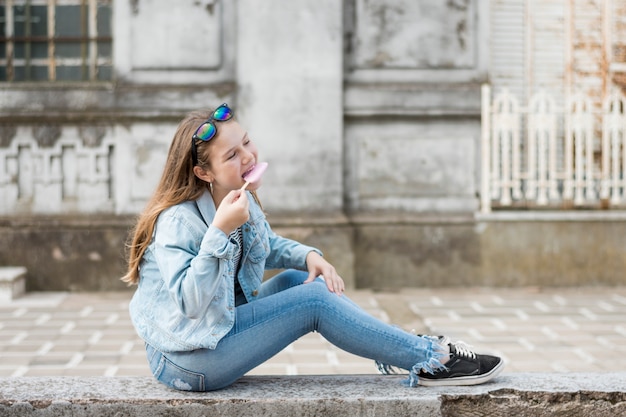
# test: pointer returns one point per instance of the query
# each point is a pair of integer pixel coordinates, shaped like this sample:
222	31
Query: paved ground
535	330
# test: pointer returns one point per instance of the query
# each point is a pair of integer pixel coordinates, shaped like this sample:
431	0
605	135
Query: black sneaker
465	367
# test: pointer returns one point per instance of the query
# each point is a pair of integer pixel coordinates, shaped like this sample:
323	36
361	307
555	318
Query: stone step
12	282
523	394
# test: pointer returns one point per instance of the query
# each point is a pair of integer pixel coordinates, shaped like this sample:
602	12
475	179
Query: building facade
379	120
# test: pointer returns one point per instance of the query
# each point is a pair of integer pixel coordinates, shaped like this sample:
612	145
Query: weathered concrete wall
88	253
380	252
453	251
368	112
412	165
289	96
67	254
356	105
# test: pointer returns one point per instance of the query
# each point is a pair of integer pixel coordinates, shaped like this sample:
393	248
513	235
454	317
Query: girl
198	254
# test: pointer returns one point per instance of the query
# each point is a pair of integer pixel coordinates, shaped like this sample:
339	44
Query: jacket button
255	293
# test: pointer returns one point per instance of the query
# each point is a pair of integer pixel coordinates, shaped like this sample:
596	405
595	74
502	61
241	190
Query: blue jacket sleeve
190	260
286	253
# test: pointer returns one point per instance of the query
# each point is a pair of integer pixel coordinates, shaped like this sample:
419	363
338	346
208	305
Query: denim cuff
430	365
216	243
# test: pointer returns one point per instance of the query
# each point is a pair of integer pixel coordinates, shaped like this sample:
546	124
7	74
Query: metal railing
543	156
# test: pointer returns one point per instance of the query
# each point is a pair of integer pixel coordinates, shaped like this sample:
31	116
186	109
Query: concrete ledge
12	282
519	394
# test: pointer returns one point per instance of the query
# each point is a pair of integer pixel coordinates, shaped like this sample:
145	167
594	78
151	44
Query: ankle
445	351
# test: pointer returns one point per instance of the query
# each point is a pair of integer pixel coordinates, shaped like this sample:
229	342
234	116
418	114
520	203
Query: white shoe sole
463	380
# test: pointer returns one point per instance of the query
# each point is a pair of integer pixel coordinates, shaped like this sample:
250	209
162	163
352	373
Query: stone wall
368	113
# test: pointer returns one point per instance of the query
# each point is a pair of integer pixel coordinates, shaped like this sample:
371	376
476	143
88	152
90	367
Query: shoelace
464	349
461	349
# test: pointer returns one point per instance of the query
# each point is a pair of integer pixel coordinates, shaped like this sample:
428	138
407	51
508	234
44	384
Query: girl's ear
202	174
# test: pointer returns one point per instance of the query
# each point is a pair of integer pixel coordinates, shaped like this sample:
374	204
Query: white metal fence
545	156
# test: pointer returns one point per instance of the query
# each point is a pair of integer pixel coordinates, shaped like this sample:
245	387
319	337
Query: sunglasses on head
208	130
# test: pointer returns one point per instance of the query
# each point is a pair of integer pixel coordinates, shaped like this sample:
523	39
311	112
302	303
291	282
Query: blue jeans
285	311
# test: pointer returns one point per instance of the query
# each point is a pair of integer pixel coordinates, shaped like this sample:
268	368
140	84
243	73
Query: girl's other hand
232	211
317	266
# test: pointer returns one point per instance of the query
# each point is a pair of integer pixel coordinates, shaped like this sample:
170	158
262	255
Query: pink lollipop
254	174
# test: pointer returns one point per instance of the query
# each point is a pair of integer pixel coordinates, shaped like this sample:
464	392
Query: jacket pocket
259	248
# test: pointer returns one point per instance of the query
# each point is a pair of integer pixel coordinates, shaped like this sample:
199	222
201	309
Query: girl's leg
287	279
282	281
266	326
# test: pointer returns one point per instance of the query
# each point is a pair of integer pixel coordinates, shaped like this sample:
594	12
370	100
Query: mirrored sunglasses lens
222	113
206	131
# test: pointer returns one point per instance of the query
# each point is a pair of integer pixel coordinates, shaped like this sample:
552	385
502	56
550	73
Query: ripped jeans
285	311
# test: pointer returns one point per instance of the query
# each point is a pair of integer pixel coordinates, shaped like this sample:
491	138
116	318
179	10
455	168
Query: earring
211	188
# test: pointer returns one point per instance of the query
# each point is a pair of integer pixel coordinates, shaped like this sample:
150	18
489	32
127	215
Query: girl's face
232	155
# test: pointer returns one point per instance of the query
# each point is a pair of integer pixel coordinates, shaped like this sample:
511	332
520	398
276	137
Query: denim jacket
185	299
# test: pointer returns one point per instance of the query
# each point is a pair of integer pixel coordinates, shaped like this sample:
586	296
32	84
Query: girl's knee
291	278
318	288
297	276
283	281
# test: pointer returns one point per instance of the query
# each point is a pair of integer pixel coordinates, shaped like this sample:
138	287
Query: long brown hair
178	183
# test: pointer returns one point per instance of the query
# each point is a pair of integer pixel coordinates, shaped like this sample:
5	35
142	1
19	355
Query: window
55	40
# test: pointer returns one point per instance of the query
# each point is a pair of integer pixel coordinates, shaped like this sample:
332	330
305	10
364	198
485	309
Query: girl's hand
232	211
317	266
